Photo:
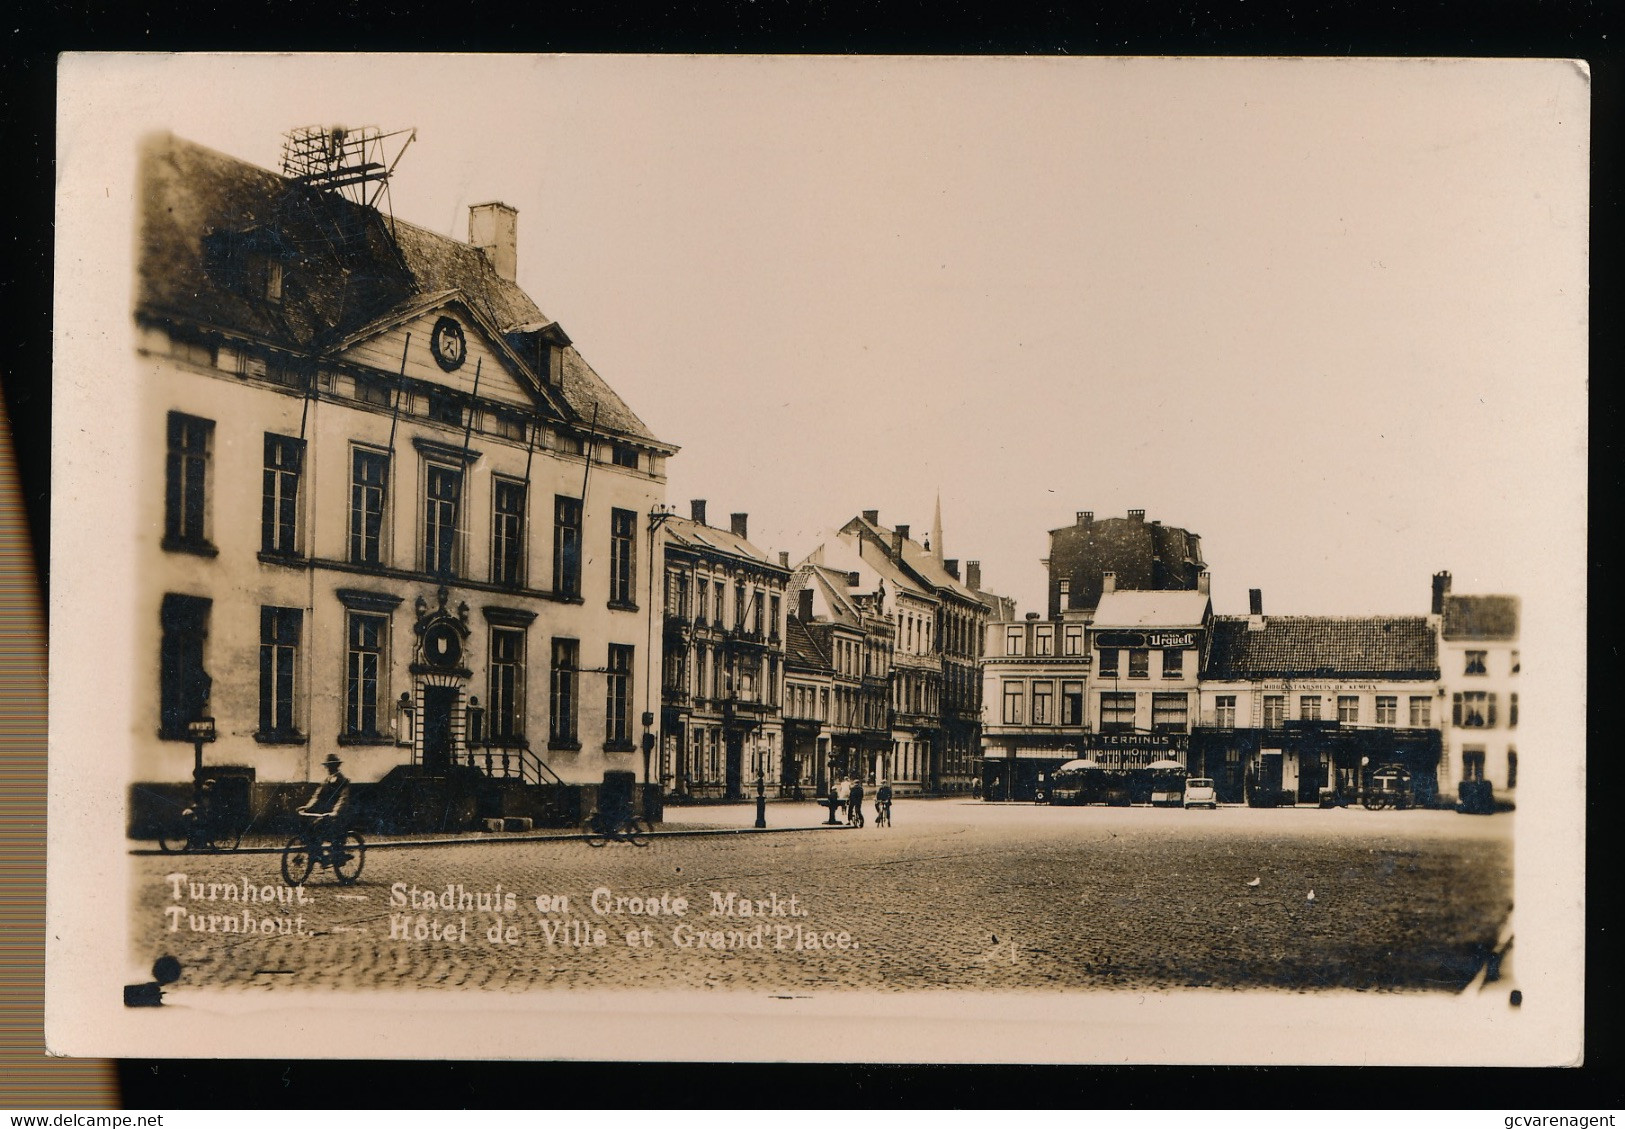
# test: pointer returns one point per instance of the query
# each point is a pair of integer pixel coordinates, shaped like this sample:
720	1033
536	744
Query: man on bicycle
329	808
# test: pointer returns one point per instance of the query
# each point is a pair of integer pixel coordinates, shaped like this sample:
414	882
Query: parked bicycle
314	847
202	827
600	827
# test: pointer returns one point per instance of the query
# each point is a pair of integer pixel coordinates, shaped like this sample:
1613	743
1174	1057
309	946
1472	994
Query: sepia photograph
907	559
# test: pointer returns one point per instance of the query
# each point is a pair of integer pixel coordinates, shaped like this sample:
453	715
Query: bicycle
599	828
882	813
200	831
312	848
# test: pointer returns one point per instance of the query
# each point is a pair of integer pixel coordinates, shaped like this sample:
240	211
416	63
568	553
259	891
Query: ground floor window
183	684
364	673
1472	763
279	653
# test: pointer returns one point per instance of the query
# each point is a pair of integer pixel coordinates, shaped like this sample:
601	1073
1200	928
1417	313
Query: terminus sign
1161	640
1157	741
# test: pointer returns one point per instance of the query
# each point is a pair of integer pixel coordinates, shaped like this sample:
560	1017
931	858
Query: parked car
1199	792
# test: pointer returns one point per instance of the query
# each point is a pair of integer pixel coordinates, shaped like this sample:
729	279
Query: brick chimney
872	516
784	558
1136	515
804	605
902	531
898	536
1108	582
1441	589
1255	609
696	510
494	229
739	524
1204	581
952	565
973	575
1086	517
851	580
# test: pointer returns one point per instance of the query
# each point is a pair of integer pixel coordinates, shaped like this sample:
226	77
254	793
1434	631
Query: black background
29	42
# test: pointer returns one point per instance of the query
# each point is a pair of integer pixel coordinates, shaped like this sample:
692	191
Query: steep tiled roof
1151	609
1481	617
692	534
1302	646
800	648
346	266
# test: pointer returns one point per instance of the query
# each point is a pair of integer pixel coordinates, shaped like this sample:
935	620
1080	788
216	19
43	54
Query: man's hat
332	760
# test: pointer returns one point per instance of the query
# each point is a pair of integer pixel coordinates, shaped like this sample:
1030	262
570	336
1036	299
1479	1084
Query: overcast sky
1329	315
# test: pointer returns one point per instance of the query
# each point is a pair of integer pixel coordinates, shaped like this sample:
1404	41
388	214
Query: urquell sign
1157	640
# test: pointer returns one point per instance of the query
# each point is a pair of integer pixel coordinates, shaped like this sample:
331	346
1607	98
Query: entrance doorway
736	766
438	704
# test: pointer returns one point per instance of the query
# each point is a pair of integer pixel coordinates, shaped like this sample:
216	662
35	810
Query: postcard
819	559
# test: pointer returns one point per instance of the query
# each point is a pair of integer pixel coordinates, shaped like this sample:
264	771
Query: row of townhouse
1275	709
871	669
401	518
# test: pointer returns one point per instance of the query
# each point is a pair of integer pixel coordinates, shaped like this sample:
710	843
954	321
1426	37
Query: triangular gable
427	334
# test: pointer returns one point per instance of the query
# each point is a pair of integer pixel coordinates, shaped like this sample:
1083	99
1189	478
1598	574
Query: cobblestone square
957	895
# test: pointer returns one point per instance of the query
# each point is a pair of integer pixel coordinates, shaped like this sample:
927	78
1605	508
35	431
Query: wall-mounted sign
1156	640
1171	741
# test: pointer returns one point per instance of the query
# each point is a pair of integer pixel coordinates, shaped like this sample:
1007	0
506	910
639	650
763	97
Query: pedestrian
843	796
883	804
855	803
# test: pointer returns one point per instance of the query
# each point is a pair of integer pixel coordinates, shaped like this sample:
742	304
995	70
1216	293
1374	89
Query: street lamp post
761	793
